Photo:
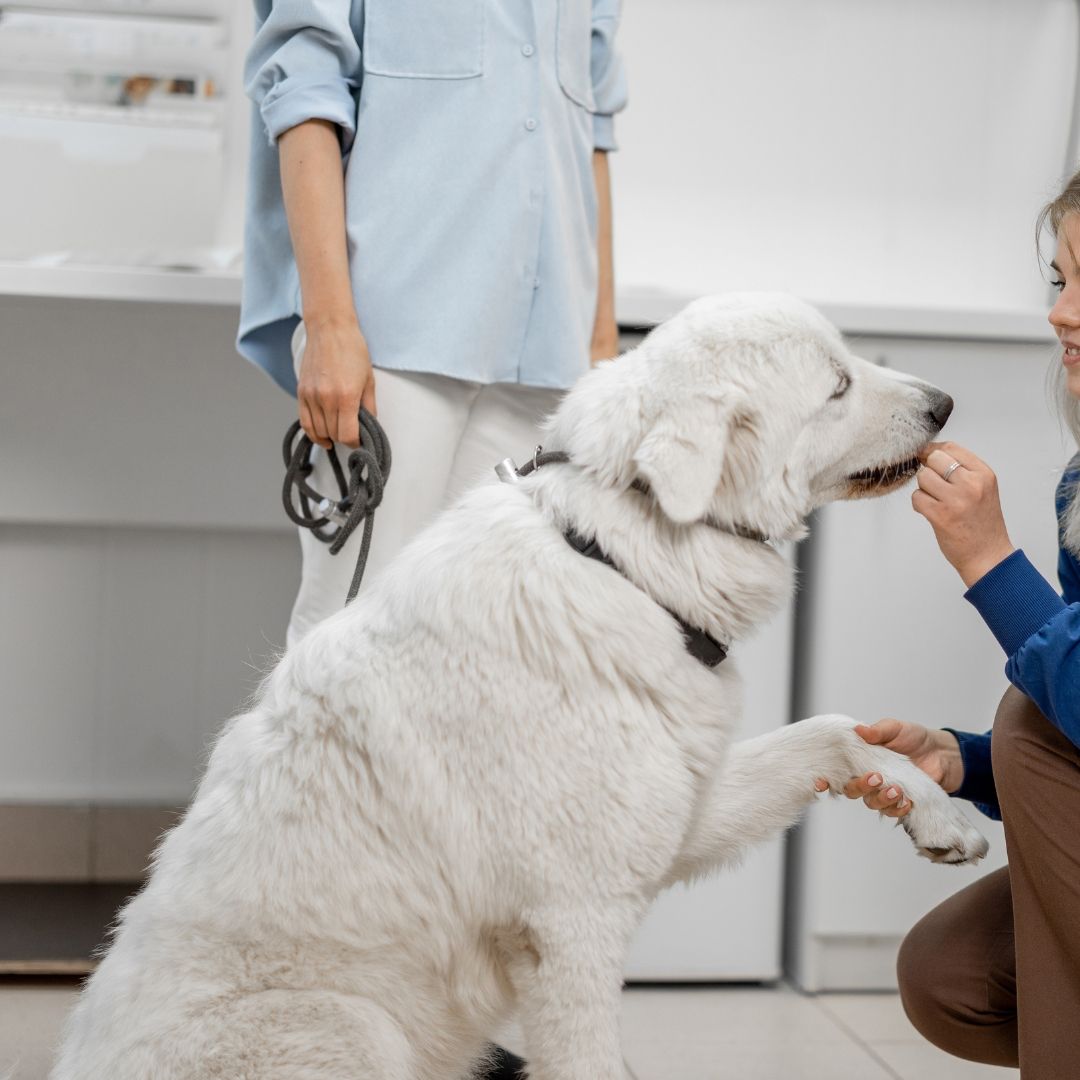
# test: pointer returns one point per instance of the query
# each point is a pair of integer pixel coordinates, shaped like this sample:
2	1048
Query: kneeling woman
993	973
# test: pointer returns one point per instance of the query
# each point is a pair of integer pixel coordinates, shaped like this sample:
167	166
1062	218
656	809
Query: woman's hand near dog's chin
964	510
933	750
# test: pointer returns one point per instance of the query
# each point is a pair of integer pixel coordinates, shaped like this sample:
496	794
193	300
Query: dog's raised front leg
766	782
568	978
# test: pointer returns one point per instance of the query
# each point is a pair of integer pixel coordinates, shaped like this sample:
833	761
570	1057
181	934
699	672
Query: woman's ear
683	453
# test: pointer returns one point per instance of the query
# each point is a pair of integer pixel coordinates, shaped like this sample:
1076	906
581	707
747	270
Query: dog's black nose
941	406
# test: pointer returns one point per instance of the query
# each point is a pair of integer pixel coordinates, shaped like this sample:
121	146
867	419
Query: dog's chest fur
505	690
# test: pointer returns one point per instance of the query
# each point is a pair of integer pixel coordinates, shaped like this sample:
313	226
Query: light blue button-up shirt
468	128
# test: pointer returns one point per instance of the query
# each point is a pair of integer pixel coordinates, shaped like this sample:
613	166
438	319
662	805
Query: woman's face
1065	314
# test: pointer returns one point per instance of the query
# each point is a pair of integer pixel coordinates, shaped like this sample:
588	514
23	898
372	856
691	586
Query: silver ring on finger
950	470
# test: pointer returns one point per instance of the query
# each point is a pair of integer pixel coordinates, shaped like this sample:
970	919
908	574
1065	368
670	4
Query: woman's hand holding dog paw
935	751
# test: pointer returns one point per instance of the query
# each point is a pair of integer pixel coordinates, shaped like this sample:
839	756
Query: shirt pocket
573	50
424	39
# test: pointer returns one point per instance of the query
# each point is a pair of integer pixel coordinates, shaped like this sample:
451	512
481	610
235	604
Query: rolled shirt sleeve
304	64
608	73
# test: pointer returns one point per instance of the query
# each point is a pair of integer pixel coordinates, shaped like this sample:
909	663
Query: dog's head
749	410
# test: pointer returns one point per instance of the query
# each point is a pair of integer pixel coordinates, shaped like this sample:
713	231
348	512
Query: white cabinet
884	631
123	130
728	927
146	566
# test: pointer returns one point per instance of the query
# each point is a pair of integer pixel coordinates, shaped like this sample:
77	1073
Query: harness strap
702	646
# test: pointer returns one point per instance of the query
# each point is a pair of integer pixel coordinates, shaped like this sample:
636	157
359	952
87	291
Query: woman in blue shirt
993	973
428	229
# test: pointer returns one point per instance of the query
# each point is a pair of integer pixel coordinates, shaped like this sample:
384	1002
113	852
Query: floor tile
919	1060
756	1061
870	1017
749	1034
709	1015
880	1022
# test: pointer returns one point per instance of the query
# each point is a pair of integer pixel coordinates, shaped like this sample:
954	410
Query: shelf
646	307
120	283
208	115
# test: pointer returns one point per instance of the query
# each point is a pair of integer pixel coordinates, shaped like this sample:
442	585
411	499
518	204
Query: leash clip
332	511
507	472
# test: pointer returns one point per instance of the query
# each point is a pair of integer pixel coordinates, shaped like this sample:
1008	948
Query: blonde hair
1050	220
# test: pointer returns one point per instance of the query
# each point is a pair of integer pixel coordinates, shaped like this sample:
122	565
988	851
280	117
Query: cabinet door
885	631
728	926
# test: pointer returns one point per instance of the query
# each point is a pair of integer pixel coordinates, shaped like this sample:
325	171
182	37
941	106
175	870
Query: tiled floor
669	1034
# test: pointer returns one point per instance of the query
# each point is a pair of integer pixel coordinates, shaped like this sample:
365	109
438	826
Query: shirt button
536	283
527	50
530	124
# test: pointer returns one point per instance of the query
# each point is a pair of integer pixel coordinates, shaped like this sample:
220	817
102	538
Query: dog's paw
944	835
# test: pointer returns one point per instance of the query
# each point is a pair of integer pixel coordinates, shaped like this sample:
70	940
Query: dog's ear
683	453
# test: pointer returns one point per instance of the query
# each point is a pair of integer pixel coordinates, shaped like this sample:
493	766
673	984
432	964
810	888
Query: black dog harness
700	644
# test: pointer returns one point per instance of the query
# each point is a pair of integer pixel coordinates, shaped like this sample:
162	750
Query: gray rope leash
359	494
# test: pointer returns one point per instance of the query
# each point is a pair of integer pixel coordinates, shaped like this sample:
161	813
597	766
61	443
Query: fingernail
901	804
874	780
892	793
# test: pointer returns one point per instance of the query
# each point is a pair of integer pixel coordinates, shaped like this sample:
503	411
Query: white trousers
445	436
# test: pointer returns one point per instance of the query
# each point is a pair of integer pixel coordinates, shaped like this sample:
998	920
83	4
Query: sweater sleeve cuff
299	98
978	783
603	128
1015	601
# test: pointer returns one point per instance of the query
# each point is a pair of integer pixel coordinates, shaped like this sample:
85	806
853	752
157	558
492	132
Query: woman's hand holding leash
958	495
934	751
336	379
335	372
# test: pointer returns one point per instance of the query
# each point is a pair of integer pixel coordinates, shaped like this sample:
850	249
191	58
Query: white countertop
636	306
646	307
84	282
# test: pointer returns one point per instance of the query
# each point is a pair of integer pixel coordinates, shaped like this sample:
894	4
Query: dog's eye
842	387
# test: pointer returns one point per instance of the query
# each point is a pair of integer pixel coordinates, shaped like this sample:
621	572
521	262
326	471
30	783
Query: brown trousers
993	973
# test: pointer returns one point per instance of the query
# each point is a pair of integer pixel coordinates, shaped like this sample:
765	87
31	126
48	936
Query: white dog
456	799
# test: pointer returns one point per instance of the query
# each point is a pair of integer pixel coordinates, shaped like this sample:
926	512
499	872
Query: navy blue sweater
1040	633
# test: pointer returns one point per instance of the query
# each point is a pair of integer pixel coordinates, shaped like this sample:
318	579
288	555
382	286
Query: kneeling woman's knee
945	966
934	985
918	967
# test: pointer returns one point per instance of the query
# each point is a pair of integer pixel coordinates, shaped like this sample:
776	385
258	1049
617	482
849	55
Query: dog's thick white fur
456	799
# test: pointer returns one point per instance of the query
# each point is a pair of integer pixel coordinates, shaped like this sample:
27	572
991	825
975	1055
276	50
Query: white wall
893	152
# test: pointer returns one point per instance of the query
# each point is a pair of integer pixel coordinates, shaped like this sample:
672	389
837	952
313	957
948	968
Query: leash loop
359	493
